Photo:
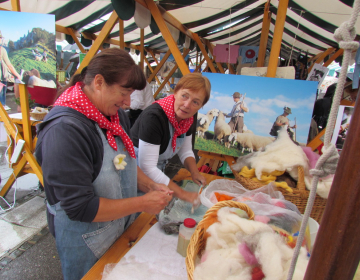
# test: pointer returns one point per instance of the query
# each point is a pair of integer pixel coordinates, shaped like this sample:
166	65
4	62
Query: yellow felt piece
284	185
247	173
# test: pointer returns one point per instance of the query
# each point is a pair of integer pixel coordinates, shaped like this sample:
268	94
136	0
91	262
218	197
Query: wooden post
167	37
333	57
142	48
151	70
203	51
78	43
24	104
321	57
186	51
264	35
336	252
158	67
276	43
121	34
99	41
15	5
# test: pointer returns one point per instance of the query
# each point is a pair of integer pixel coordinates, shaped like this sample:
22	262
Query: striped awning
309	24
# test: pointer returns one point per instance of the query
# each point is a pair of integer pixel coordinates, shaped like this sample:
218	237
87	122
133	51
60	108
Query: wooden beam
61	29
158	67
203	51
199	66
167	36
15	5
142	48
276	42
99	41
316	141
77	42
231	69
24	104
186	51
211	49
121	34
321	57
333	57
336	252
151	70
264	35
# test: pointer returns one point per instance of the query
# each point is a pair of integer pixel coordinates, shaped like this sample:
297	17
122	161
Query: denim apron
81	244
169	153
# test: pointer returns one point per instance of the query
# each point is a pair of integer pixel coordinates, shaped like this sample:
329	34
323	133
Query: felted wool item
282	155
323	186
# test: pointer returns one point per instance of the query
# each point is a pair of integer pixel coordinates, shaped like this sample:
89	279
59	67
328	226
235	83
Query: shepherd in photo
237	113
281	121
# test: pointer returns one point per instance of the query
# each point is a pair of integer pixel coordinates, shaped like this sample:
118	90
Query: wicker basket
299	196
38	116
198	242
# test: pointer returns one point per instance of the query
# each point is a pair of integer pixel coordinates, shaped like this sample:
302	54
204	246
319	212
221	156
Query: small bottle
185	232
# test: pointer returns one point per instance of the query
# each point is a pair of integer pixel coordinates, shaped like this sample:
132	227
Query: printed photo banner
264	100
27	48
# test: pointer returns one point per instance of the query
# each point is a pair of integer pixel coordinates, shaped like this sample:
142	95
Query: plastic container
314	228
185	232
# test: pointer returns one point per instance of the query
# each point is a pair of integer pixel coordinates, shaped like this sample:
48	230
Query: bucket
314	228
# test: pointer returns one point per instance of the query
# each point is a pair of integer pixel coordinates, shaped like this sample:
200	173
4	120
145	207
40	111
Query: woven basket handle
230	203
301	182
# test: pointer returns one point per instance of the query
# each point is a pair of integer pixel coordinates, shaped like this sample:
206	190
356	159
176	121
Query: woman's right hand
155	201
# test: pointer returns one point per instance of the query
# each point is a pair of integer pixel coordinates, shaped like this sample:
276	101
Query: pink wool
247	254
312	157
263	219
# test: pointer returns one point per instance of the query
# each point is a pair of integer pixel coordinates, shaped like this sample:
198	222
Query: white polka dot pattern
75	98
167	104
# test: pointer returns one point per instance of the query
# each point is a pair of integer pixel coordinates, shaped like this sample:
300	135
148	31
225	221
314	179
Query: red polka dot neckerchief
76	99
167	104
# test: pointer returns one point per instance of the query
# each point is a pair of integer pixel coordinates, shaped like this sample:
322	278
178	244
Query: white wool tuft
323	186
222	260
282	155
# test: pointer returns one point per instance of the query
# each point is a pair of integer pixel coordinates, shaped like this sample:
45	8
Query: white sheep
204	121
222	130
250	141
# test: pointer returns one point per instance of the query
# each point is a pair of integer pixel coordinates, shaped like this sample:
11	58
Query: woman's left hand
198	179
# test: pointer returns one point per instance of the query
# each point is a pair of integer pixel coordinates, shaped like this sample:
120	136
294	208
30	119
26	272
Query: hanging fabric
226	53
69	39
187	42
125	9
175	33
142	16
192	44
181	40
249	54
85	42
153	26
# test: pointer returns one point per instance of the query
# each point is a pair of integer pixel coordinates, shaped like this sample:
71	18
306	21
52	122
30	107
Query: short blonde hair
196	82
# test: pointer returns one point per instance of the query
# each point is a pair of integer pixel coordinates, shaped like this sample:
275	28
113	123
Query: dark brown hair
116	66
196	82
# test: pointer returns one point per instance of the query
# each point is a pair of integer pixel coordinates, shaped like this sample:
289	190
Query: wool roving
225	261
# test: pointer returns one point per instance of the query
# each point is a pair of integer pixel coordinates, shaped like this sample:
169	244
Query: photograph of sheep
244	113
27	48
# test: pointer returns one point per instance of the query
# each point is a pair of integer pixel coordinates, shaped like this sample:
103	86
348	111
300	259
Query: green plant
31	101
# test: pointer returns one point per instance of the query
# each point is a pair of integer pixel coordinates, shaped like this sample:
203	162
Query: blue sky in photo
265	98
14	25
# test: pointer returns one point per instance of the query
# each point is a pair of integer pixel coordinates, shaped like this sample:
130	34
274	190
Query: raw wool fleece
282	155
222	259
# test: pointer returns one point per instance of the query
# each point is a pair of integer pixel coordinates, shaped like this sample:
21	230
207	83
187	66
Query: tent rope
293	44
327	162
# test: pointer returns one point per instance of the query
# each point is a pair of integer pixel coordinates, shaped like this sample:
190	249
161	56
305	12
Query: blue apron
81	244
169	153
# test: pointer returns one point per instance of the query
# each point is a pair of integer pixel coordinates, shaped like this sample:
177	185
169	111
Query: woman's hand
161	187
155	201
198	178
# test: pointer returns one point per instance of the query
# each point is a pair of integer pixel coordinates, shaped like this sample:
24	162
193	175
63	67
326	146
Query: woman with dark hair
88	160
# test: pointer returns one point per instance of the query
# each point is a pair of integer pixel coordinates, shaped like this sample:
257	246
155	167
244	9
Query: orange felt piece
222	197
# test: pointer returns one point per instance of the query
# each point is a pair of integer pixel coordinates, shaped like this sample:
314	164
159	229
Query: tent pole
121	34
158	67
141	49
167	36
321	57
264	35
72	33
104	33
15	5
278	33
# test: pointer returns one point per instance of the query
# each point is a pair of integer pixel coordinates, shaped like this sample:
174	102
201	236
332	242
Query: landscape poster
264	100
27	48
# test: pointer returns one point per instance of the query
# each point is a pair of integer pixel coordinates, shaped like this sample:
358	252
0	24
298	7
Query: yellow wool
266	178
